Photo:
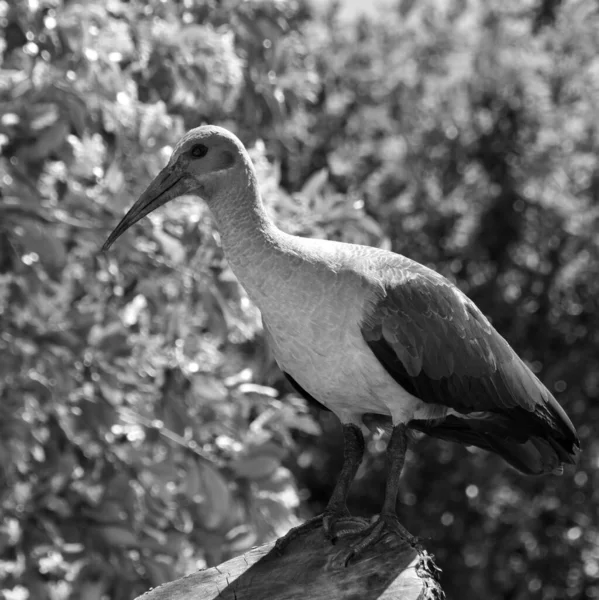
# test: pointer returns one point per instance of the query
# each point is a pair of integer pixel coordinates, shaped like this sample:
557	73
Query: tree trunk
311	568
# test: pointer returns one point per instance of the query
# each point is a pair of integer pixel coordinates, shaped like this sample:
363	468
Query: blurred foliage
144	430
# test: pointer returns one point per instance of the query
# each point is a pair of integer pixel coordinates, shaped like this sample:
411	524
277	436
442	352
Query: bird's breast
314	333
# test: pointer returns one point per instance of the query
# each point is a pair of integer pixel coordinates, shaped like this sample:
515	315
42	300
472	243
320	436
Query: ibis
367	333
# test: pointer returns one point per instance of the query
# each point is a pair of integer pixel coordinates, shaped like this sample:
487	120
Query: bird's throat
249	238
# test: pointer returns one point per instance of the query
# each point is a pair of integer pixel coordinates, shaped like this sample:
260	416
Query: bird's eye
199	151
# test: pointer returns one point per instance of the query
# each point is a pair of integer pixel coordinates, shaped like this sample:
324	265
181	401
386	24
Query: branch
311	568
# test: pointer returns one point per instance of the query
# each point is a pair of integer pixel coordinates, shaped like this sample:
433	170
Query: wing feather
435	342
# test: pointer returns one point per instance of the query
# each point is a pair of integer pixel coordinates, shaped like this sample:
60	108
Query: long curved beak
168	184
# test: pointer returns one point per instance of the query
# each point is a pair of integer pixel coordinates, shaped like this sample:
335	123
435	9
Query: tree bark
311	568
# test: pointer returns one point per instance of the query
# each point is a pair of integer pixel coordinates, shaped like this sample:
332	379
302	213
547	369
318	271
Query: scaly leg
388	521
336	510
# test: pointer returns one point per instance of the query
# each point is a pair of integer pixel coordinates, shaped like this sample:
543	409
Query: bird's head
203	162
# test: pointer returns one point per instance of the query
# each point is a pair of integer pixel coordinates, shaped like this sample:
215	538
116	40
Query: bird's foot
335	522
338	526
386	524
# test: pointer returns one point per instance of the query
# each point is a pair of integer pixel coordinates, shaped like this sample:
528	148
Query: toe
339	525
350	526
385	525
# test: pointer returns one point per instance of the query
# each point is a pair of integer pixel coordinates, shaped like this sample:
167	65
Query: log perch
311	568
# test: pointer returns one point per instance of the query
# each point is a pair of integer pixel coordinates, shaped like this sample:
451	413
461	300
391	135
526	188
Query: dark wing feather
436	344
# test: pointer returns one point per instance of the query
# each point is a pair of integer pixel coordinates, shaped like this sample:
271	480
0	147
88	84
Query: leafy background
144	430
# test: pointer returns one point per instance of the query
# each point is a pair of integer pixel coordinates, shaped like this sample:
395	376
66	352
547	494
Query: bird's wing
437	344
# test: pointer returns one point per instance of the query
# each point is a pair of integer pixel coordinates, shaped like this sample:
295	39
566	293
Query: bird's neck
250	240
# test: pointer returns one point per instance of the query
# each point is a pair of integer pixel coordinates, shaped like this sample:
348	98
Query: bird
369	334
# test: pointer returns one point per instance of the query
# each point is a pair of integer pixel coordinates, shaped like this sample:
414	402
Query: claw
338	525
387	524
335	524
348	526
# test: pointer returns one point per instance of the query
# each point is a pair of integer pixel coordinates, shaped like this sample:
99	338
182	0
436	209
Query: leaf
66	339
43	116
119	537
193	485
241	538
112	339
260	462
46	142
158	572
305	423
96	413
282	487
256	467
217	504
39	239
208	388
274	517
171	247
155	534
132	311
260	390
119	489
174	542
114	178
58	506
76	110
109	512
405	6
315	183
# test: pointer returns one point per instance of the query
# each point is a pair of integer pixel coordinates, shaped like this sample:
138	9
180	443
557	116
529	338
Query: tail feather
530	445
533	442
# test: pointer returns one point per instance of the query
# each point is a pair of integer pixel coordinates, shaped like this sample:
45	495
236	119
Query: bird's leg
336	509
388	521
